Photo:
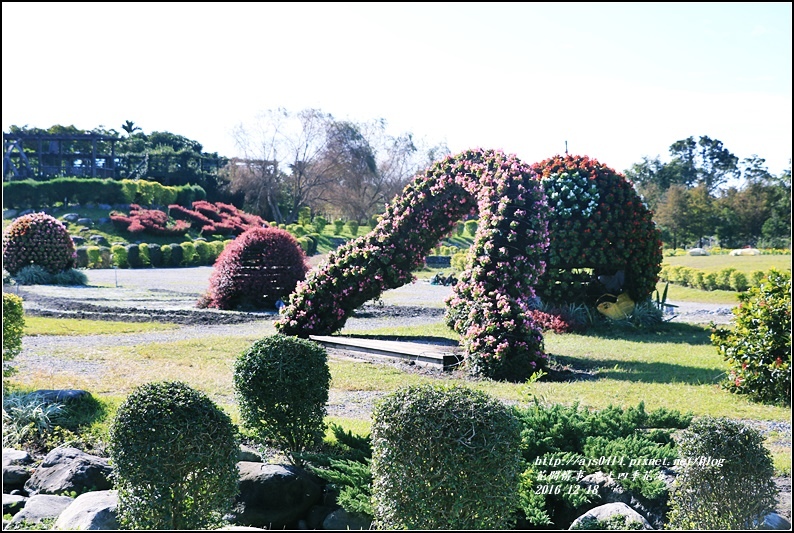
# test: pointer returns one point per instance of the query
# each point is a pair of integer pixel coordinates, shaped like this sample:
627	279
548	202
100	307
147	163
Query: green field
743	263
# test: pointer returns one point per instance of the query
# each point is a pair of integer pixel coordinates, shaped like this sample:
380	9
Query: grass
677	293
36	325
743	263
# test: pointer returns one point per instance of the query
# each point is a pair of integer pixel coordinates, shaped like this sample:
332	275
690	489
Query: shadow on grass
669	332
81	413
427	339
643	372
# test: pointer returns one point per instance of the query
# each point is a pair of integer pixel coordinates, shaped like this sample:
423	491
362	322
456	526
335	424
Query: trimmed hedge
37	239
444	458
13	328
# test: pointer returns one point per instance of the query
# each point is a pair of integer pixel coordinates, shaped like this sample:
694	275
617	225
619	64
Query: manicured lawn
743	263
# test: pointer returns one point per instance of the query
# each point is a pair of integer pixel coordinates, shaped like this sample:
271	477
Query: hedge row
144	255
716	250
30	194
727	279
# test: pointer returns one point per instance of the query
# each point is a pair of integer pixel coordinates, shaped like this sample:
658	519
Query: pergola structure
50	155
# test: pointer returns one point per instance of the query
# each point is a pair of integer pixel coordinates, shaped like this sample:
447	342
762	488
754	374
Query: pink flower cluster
489	306
37	239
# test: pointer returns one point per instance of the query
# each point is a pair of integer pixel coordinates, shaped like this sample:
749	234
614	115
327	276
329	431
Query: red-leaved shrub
37	239
258	268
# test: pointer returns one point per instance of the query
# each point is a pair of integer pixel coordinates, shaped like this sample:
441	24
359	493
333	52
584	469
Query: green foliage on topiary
282	386
339	225
739	281
204	253
444	458
174	455
37	239
471	227
257	269
177	256
189	255
13	329
119	254
725	481
352	227
319	224
598	222
758	346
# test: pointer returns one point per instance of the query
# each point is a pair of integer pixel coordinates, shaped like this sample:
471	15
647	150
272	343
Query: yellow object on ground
619	309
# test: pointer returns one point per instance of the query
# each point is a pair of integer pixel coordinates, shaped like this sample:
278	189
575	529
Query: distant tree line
705	192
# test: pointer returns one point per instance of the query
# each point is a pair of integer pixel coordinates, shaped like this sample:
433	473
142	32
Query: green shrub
724	278
304	216
13	330
156	255
616	522
177	258
352	227
758	347
189	255
319	224
33	275
444	458
739	281
458	261
756	277
81	257
282	386
725	480
710	281
471	227
165	251
94	257
37	239
119	255
204	253
143	250
27	420
134	256
71	277
699	280
174	455
217	249
559	440
460	227
339	225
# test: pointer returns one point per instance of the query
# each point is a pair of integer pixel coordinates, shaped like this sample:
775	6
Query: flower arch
489	305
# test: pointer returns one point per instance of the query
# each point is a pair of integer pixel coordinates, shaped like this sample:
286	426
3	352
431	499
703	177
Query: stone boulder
603	512
697	251
774	521
611	491
92	510
98	240
60	395
16	469
273	496
341	519
77	240
87	222
40	507
16	457
67	469
13	503
71	217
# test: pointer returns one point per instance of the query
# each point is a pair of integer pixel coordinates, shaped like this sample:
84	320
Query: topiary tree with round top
257	269
38	239
597	222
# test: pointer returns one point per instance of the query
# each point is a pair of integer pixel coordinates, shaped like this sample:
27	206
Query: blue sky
617	81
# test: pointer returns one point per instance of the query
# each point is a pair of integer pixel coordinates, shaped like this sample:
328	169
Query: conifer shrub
258	268
352	227
758	346
725	480
155	255
177	256
282	386
81	257
13	329
37	239
189	256
444	458
165	251
204	252
739	281
339	225
134	256
119	256
319	224
175	459
471	227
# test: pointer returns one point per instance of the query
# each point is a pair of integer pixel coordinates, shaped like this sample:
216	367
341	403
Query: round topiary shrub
282	385
444	458
257	269
37	239
175	459
725	480
177	256
758	347
598	226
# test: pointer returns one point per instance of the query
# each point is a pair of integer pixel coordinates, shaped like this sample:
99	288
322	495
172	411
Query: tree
672	213
130	127
704	162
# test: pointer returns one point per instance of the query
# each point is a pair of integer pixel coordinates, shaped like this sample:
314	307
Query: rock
104	207
317	515
16	457
87	222
611	491
15	477
78	240
41	506
60	395
92	510
8	214
341	519
603	512
67	469
746	251
273	496
697	251
240	528
98	240
12	504
26	212
771	521
248	454
71	217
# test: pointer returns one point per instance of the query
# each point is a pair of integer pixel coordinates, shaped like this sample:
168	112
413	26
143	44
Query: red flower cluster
217	218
